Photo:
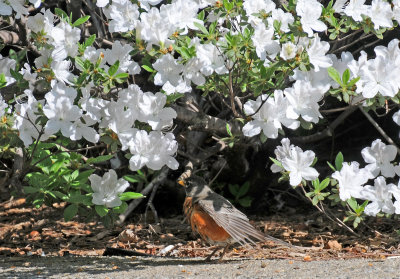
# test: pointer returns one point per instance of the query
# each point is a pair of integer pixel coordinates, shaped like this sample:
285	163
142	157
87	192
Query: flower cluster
90	92
352	179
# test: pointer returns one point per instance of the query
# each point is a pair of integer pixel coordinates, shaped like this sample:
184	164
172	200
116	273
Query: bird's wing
231	219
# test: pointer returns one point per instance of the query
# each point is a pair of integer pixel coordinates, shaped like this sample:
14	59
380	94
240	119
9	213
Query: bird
216	220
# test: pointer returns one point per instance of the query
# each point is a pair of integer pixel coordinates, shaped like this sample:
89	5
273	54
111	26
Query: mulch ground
28	231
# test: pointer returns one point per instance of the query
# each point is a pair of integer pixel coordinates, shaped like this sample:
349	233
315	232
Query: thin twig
232	94
157	180
328	131
352	43
379	129
366	46
334	219
151	205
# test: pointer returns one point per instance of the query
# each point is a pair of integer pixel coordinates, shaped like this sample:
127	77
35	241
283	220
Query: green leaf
346	76
353	81
101	210
56	166
362	207
70	211
201	27
201	15
356	222
324	184
90	40
334	74
133	178
246	201
263	138
30	189
83	176
276	162
353	204
120	209
60	13
99	159
148	68
243	190
173	97
228	130
60	195
76	197
331	166
80	21
339	161
233	189
315	200
122	75
130	196
310	194
114	68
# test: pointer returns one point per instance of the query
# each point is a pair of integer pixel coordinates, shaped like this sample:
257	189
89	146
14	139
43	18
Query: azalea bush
99	98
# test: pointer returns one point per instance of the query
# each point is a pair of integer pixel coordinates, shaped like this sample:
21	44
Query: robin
215	219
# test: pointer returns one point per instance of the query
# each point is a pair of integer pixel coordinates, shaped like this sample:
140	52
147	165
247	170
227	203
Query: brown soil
28	231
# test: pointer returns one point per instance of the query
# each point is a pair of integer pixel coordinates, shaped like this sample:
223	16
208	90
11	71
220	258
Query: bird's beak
181	182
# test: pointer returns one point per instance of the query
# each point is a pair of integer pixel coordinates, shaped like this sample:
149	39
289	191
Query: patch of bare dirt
28	231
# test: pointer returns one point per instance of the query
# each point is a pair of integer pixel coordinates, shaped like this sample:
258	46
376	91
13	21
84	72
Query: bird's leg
212	254
223	252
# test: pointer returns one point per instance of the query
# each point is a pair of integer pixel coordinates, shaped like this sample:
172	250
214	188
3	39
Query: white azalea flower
168	69
395	190
264	43
182	14
123	14
212	59
80	129
154	30
5	65
284	18
61	70
25	119
309	12
6	8
303	101
380	196
61	112
288	51
270	117
3	106
351	180
378	158
151	110
65	40
298	163
341	65
378	76
282	152
316	52
102	3
153	150
121	53
107	188
255	7
356	8
381	14
145	4
192	71
319	80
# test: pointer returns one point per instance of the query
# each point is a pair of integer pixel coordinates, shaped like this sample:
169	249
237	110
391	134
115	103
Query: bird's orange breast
204	224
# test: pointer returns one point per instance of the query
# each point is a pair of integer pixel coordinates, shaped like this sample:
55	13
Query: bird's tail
278	241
